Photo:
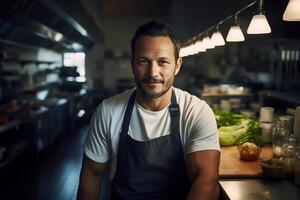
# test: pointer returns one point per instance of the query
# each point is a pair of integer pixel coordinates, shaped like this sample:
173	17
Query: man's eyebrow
142	57
164	58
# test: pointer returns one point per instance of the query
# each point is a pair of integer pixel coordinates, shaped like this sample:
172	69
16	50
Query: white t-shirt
198	129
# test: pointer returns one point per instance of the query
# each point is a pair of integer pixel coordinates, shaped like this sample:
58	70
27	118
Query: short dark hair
154	29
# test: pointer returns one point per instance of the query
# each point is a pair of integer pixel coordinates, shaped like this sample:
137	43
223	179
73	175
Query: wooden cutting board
232	167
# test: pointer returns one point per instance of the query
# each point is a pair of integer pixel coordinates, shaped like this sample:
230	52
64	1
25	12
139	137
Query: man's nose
153	69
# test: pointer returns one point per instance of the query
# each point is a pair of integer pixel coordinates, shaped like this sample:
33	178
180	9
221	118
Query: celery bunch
240	129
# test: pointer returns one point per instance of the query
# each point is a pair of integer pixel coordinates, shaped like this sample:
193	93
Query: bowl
274	167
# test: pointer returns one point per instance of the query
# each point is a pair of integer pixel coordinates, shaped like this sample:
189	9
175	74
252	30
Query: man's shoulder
186	98
118	99
190	103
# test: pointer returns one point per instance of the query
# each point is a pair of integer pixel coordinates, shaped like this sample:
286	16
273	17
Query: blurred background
59	59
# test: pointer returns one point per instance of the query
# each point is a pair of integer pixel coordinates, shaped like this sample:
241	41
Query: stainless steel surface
246	189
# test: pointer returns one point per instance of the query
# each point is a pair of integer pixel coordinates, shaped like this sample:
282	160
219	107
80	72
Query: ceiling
190	17
134	8
114	20
186	17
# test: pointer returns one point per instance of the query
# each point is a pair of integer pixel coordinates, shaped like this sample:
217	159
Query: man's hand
203	171
90	179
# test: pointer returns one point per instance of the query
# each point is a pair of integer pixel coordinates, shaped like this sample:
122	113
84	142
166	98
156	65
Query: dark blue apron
154	169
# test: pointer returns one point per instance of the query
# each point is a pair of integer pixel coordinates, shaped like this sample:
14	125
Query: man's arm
90	179
203	171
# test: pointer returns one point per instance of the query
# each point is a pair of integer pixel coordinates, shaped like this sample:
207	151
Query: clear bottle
285	129
289	147
289	154
278	138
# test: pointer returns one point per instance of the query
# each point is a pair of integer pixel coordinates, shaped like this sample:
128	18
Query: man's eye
143	62
163	62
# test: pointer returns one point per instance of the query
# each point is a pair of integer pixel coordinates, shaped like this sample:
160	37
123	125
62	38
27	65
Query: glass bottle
278	138
289	147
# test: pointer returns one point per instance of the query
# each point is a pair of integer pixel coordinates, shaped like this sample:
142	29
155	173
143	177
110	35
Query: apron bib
154	169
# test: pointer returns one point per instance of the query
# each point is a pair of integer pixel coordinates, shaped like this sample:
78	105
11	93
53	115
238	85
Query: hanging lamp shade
207	43
189	50
259	25
292	11
200	47
182	53
235	34
217	39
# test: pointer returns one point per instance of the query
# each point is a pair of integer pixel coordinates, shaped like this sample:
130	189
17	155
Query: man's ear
178	65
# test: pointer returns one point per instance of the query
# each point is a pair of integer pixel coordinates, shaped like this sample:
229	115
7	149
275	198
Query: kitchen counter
243	179
240	189
232	167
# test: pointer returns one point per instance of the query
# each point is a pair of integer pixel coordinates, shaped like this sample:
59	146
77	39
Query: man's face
154	65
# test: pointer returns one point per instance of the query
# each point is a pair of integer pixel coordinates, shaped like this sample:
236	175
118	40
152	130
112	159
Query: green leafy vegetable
227	118
236	129
253	134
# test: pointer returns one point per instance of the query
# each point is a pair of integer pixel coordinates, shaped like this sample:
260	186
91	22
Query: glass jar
278	139
289	147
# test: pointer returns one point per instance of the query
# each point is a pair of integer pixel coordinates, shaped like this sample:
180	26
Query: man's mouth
152	81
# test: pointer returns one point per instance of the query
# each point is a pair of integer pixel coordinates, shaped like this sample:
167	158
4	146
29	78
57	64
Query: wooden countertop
232	167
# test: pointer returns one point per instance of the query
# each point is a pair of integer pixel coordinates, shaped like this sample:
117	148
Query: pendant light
217	38
235	33
183	52
259	23
207	42
292	11
199	46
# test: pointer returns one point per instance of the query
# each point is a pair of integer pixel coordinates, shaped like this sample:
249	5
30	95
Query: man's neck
154	104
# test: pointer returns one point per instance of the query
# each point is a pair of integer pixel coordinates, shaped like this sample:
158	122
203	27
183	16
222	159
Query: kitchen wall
112	68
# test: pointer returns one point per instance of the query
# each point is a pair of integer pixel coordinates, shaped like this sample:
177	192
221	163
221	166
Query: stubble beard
151	94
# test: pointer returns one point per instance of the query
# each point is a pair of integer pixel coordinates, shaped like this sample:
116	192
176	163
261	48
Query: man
159	141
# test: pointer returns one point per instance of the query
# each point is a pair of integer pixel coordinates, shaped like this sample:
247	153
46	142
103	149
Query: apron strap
127	116
174	113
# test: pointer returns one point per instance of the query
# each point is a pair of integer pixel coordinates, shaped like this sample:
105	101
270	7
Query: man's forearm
89	186
201	190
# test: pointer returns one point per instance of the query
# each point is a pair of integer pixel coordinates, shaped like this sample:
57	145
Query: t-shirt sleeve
203	132
96	145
